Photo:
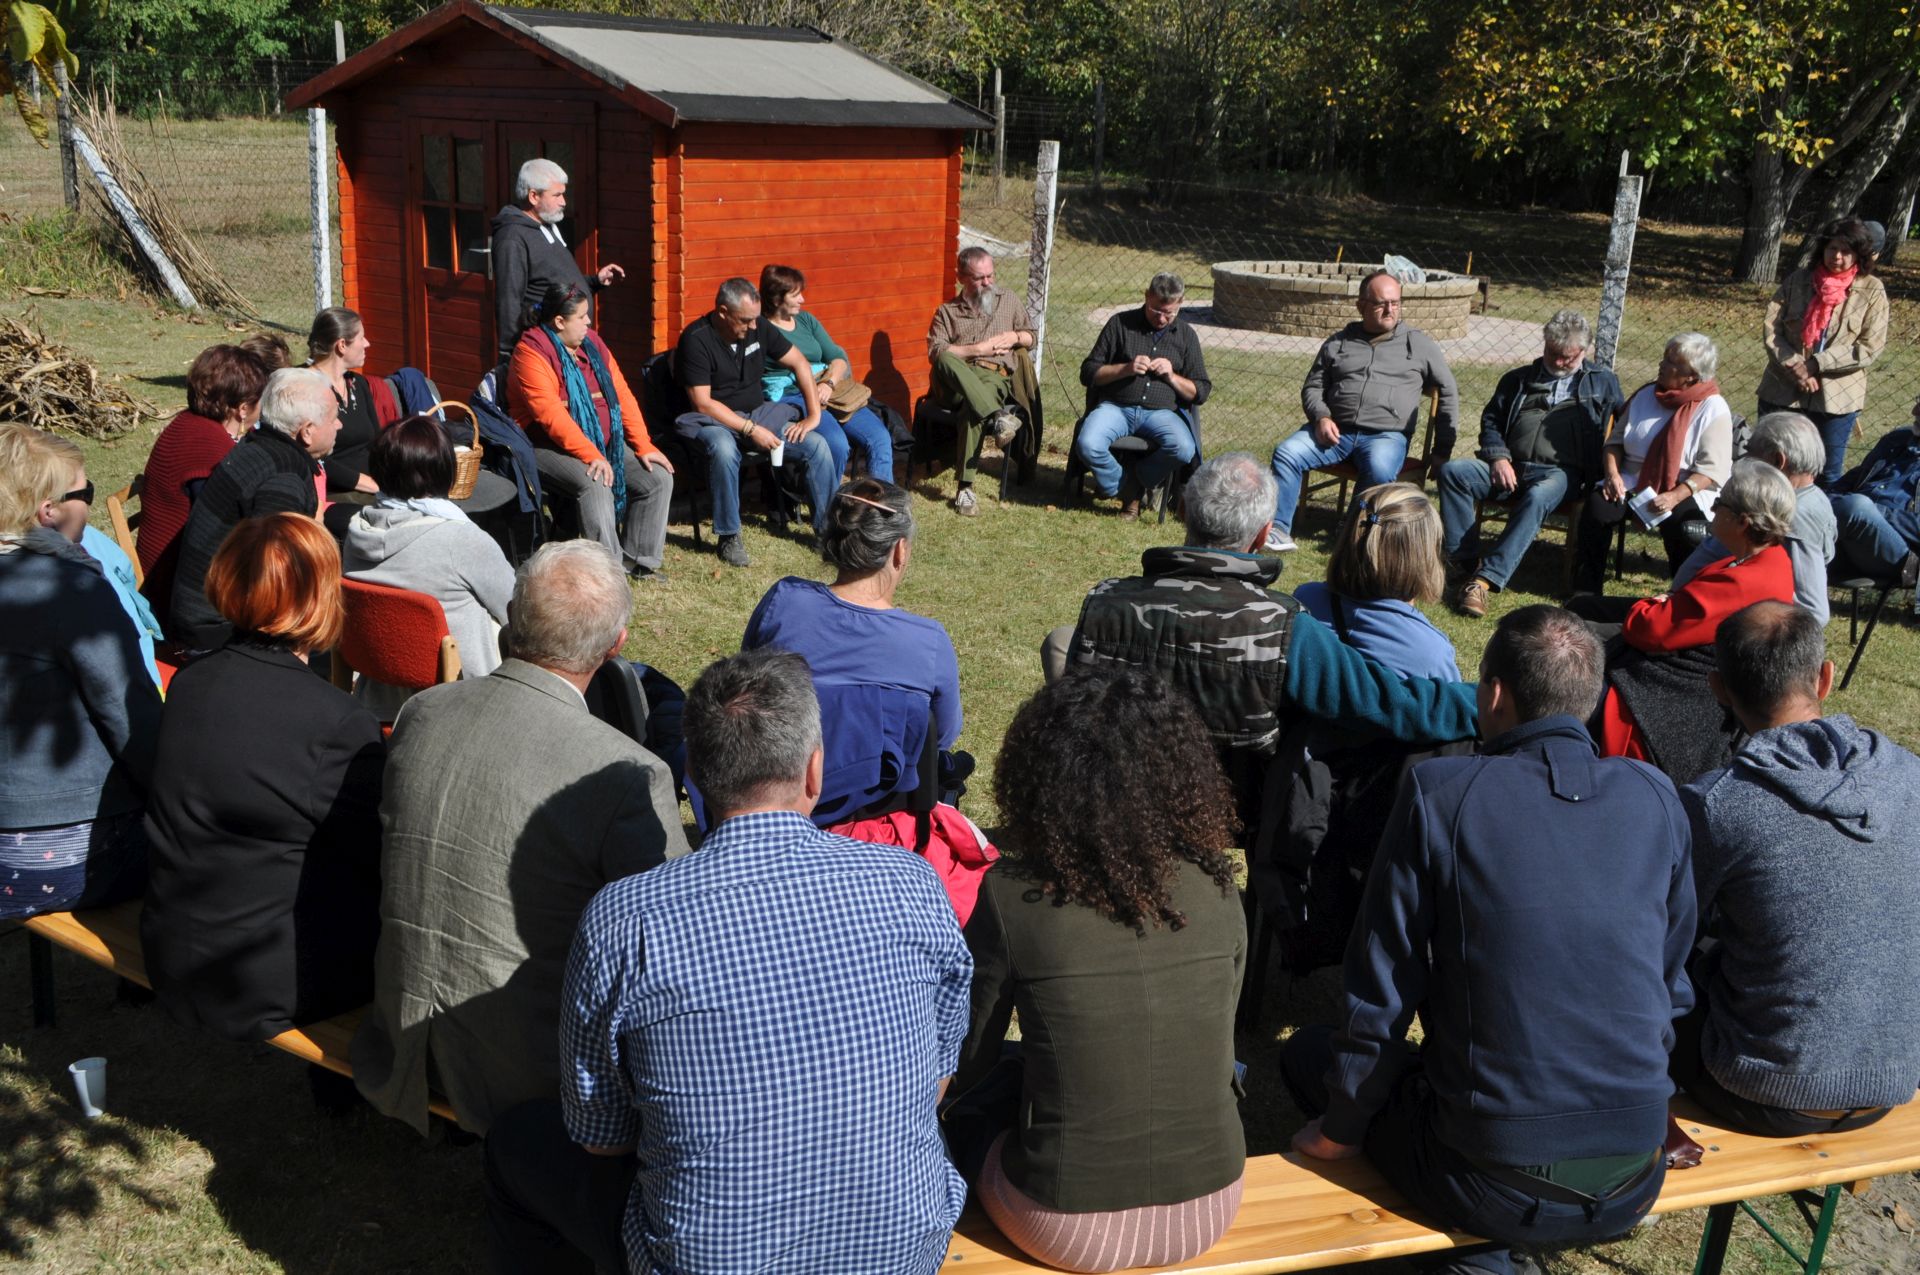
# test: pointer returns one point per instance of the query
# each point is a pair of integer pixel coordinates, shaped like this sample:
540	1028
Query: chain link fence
1494	279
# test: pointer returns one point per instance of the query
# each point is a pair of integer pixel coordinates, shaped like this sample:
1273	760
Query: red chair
395	636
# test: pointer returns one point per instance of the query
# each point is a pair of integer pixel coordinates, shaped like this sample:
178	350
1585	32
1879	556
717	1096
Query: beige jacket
1856	335
960	322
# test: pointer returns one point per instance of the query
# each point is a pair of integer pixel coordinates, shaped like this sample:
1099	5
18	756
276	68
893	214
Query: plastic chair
616	697
394	636
126	521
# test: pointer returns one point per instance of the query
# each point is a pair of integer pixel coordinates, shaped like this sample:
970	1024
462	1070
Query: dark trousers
552	1206
1690	1074
1449	1188
1598	518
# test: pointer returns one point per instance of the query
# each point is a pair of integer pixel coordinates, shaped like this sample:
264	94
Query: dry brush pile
48	386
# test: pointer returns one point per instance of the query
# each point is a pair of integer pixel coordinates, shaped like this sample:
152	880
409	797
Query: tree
1781	88
32	36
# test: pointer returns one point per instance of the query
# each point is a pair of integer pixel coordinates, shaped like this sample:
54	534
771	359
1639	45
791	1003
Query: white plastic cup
90	1085
779	453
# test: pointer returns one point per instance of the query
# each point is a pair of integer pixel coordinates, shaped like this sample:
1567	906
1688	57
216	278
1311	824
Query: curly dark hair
1852	232
1106	782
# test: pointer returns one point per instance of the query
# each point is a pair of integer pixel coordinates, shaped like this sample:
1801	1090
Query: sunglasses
84	495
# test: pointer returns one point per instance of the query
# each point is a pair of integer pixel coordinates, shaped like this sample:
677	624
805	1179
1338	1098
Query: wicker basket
466	460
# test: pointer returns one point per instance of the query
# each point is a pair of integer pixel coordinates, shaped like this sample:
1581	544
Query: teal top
810	339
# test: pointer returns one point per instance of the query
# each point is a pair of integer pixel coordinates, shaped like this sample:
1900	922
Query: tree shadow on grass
51	1169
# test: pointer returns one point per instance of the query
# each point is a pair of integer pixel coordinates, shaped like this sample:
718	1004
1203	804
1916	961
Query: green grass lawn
213	1157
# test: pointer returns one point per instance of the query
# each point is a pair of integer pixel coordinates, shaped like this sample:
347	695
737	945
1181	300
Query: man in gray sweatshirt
1806	859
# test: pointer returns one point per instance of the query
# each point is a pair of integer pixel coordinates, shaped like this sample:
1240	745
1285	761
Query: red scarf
1829	290
1661	469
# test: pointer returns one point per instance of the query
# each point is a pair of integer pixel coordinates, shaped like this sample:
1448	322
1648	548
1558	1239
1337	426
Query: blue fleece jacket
1807	862
1535	903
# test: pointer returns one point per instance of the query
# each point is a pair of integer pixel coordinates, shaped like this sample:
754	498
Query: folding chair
395	636
1855	586
126	521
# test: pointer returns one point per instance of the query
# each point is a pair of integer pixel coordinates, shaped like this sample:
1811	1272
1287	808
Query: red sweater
186	452
1691	614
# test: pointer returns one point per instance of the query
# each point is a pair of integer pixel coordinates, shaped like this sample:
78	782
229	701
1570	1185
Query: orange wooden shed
695	152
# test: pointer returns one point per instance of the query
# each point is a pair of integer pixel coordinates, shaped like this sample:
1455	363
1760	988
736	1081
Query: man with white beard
973	344
529	254
1540	441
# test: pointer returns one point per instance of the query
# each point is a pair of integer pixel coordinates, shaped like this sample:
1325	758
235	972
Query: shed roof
690	71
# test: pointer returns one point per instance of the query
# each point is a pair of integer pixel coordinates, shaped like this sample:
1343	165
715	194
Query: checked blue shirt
768	1019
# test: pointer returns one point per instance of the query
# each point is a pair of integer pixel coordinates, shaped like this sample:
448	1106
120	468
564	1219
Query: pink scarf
1829	290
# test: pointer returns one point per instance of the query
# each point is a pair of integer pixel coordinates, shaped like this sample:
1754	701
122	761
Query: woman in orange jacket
589	439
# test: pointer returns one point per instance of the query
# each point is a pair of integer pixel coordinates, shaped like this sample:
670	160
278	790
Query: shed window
453	202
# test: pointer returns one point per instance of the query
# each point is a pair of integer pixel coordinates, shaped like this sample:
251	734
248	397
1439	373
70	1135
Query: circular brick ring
1312	298
1489	341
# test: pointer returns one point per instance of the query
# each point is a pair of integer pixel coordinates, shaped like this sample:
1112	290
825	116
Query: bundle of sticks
47	386
101	123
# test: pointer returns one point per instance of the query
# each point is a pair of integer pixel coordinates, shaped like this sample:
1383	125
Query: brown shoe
1130	511
1473	597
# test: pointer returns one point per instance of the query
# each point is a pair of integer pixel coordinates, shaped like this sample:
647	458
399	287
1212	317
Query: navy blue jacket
1595	389
1535	903
1890	475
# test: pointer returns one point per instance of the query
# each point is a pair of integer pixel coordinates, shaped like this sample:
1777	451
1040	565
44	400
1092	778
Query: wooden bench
111	937
1300	1215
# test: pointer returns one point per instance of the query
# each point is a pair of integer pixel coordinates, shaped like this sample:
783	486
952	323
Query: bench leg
1713	1240
1823	1229
40	976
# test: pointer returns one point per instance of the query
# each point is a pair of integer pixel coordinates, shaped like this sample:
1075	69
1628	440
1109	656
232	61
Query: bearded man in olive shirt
971	344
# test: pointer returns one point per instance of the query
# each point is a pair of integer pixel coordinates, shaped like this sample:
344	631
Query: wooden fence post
1099	131
320	207
1046	176
999	140
1613	280
63	121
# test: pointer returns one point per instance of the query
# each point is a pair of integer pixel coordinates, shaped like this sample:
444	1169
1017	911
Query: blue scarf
580	407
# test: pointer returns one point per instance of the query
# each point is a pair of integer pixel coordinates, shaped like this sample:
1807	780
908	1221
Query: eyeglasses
84	495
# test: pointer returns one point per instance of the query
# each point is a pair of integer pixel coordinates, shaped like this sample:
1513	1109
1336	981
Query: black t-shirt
730	370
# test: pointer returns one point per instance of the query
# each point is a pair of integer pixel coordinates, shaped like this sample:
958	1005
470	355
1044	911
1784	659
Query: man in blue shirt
1535	904
1877	508
754	1038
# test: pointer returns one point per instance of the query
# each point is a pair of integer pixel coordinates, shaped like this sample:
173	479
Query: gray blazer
506	808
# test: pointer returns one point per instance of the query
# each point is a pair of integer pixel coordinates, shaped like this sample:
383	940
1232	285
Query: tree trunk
1759	259
1900	221
1862	169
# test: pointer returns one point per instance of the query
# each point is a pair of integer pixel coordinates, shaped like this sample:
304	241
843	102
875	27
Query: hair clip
885	509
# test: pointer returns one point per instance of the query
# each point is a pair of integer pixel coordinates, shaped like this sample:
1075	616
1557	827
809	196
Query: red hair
280	576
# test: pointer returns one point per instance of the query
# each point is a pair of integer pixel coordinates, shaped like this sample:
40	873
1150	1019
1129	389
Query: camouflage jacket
1205	620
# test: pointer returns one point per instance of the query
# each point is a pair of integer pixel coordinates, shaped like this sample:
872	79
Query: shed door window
453	203
535	141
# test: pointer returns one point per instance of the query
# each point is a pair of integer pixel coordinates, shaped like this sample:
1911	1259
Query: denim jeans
1378	457
1165	428
723	445
863	427
1872	542
1448	1187
1836	431
1465	483
551	1204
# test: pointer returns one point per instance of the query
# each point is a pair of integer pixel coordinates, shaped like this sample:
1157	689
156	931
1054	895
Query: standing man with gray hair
529	255
974	343
1145	375
275	469
753	1039
486	867
1790	442
1204	617
1540	441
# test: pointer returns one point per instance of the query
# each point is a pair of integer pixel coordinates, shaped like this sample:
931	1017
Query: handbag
849	396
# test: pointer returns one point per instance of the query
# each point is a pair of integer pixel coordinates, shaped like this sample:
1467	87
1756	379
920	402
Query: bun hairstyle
1389	547
559	301
865	520
330	327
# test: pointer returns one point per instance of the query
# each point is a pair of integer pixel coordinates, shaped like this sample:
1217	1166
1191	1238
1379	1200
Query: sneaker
1279	541
1130	511
1473	597
1003	425
964	504
646	575
732	552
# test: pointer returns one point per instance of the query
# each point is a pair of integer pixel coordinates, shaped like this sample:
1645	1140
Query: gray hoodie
1806	858
450	560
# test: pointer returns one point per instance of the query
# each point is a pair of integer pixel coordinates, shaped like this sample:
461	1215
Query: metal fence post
320	210
1046	175
999	140
1613	280
1099	131
63	121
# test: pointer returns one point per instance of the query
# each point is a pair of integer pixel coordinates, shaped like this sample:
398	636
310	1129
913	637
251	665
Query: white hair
295	396
1698	352
1567	330
537	174
570	603
1228	500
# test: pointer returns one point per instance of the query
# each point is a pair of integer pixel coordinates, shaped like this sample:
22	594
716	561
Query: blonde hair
1389	547
35	467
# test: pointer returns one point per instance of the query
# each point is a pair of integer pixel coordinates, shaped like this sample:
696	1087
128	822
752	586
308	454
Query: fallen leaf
45	292
1903	1219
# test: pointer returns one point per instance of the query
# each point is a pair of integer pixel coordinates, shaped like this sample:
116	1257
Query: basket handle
473	421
